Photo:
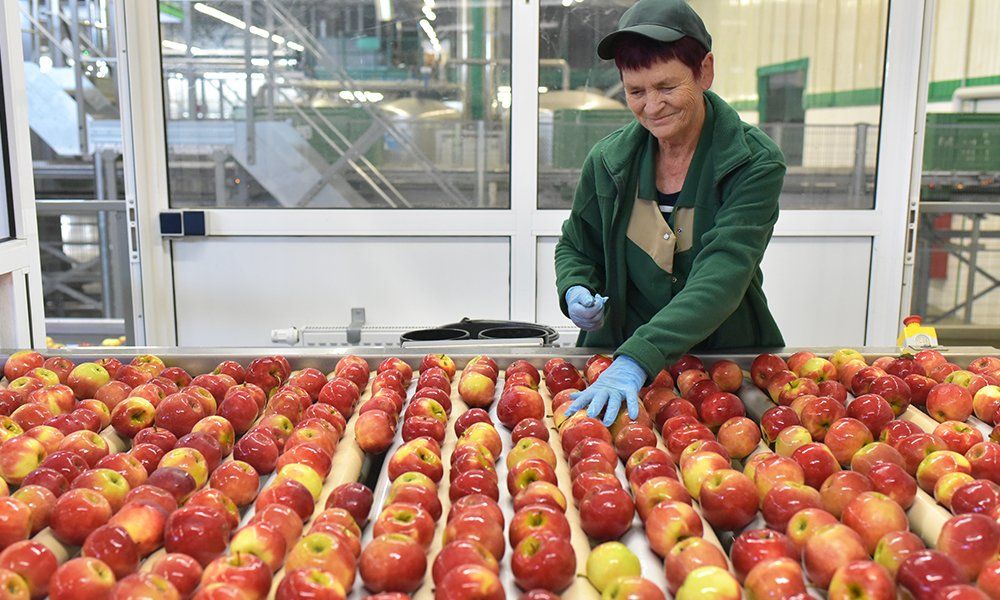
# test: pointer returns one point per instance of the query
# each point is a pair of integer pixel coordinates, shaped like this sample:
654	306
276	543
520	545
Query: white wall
234	291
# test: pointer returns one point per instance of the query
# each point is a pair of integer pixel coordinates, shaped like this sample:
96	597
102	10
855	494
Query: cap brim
606	48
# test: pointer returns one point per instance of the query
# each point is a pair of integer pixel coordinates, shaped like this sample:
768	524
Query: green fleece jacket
710	297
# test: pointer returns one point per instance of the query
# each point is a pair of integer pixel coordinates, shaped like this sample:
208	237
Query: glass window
7	206
957	262
76	143
338	104
808	72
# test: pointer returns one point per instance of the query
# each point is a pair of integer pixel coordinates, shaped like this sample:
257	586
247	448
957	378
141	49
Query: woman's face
666	98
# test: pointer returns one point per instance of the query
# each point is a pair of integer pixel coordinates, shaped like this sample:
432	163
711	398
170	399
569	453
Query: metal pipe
269	92
970	284
248	110
57	52
192	95
81	107
481	163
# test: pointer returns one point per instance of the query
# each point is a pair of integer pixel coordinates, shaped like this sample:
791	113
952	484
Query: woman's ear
707	72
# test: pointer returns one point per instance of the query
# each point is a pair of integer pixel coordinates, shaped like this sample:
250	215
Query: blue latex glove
621	382
585	309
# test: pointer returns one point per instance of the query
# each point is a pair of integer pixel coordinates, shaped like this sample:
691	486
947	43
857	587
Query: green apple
608	562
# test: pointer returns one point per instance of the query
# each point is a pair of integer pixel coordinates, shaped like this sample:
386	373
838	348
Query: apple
77	513
148	456
757	546
984	457
872	515
462	552
664	489
15	521
989	579
356	499
86	378
893	548
114	547
472	582
830	548
201	532
796	388
144	522
817	462
728	500
819	413
153	495
727	375
763	367
946	486
863	378
282	519
893	481
818	369
896	430
920	386
528	471
110	484
241	571
924	572
538	521
806	522
740	436
417	426
177	482
20	456
937	464
949	402
774	469
412	457
717	408
393	562
290	493
872	410
610	561
485	434
697	467
632	436
240	409
480	505
606	514
786	499
776	578
894	390
518	403
668	522
33	562
874	454
405	519
862	578
971	540
544	560
709	582
957	436
79	578
622	588
775	420
985	402
21	362
540	493
915	448
688	555
845	437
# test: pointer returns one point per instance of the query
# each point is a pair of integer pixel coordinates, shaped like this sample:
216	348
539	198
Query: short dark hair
634	52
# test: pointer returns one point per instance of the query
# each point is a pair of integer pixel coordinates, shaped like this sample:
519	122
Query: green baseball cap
661	20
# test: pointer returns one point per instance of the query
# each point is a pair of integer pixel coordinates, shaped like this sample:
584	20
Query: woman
661	252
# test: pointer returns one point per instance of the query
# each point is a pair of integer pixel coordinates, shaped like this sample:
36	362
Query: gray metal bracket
354	329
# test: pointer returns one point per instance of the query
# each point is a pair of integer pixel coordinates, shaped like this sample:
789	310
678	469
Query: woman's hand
585	309
619	383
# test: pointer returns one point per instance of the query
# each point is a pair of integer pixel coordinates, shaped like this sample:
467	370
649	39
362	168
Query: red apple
544	560
78	578
842	487
198	531
688	555
924	572
894	547
470	582
893	481
776	578
971	540
458	553
728	500
862	577
33	562
393	563
830	548
670	522
949	402
786	499
758	546
763	367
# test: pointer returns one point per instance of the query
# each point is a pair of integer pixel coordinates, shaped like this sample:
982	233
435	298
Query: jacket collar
728	150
